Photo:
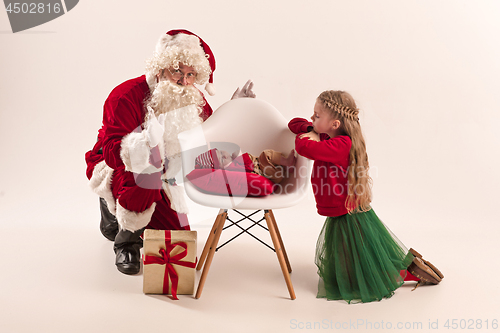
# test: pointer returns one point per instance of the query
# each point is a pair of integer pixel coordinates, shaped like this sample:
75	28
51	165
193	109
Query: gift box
169	262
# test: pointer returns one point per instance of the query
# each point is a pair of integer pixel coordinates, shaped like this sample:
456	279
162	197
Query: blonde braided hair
341	106
342	109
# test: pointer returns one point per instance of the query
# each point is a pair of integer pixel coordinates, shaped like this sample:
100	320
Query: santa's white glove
246	91
154	129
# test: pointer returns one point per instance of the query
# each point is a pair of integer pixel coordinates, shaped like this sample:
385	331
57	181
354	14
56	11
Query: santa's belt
170	181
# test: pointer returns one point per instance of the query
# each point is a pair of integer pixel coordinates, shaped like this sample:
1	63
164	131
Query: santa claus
137	155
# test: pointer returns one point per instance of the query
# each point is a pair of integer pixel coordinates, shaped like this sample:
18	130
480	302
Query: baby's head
224	158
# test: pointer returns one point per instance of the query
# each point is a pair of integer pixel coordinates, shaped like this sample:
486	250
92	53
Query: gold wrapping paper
154	274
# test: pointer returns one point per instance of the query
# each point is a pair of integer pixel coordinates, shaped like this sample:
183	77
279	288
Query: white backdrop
425	75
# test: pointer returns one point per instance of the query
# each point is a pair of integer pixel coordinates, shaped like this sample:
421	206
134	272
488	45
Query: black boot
128	251
109	224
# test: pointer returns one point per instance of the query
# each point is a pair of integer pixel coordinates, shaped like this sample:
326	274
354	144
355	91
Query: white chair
254	125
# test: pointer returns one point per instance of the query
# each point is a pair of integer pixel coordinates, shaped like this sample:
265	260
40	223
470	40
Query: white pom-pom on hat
210	88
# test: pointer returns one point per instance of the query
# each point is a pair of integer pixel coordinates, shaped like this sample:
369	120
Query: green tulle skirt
359	259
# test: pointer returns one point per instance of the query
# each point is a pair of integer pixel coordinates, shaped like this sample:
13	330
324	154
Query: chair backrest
254	125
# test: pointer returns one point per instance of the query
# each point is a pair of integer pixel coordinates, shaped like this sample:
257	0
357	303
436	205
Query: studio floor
63	279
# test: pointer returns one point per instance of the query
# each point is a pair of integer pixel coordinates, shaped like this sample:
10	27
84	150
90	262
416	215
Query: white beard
178	121
169	96
182	106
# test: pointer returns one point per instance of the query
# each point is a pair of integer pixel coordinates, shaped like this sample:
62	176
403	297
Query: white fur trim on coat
100	183
133	221
135	153
174	167
176	196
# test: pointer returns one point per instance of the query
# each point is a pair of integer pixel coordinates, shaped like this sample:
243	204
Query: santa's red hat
170	40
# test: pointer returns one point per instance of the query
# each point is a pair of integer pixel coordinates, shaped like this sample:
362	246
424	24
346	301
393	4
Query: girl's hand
310	136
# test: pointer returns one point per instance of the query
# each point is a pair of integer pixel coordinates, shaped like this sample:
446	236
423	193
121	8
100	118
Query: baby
268	164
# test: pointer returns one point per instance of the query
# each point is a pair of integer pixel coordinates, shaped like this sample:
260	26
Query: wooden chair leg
211	252
208	243
271	214
279	253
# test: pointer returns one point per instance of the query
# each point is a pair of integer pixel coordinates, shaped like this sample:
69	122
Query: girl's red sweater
331	162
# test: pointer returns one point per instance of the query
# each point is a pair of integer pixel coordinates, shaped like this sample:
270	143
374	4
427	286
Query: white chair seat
253	125
272	201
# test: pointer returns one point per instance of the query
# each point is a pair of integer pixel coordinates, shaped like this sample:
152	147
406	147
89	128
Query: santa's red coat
124	113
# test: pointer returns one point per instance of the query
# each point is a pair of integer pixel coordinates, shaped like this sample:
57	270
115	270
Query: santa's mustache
169	96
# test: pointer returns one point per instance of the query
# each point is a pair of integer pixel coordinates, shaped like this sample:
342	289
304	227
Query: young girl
358	258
